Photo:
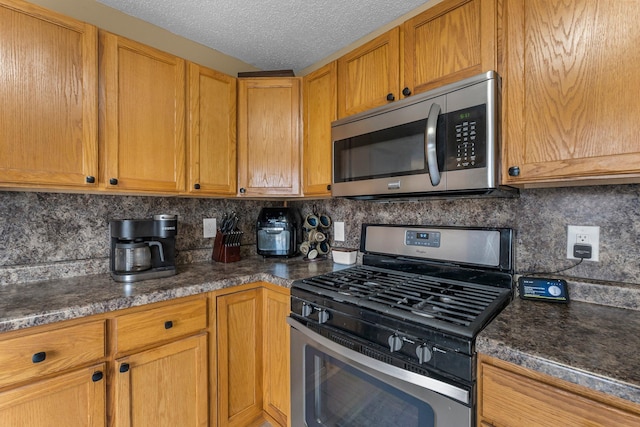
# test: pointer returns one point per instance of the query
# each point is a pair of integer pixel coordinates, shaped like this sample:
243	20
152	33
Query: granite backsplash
51	235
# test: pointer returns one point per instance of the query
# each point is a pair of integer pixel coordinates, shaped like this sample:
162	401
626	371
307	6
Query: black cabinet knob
113	181
514	171
390	97
196	186
168	324
97	376
39	357
243	190
90	179
406	91
328	187
124	367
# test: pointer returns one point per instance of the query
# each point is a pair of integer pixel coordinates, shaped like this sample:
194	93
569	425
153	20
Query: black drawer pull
97	376
39	357
124	367
168	324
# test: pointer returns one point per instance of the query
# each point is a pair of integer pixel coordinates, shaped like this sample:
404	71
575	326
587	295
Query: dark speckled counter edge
602	384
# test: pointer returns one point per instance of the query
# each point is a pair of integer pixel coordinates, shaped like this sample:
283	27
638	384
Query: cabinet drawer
37	354
144	328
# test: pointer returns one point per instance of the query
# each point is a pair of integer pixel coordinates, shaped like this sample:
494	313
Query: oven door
333	386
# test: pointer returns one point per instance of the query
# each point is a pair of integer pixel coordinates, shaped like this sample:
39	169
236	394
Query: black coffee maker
143	249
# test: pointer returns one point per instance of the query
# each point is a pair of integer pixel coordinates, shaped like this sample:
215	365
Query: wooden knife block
223	251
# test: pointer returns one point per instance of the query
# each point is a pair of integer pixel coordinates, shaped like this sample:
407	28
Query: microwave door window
389	152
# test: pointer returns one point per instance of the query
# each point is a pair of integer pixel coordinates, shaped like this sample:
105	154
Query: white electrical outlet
338	231
589	235
209	227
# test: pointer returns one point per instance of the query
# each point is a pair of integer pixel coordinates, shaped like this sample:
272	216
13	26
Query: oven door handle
432	384
430	147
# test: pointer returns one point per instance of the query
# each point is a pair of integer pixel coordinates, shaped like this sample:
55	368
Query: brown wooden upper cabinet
451	41
320	109
142	117
48	107
269	134
570	92
368	76
211	132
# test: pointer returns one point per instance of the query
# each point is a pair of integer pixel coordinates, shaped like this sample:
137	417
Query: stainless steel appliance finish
143	249
278	232
394	338
442	142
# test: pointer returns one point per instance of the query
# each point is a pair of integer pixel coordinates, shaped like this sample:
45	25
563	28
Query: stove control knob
395	343
424	353
323	316
306	309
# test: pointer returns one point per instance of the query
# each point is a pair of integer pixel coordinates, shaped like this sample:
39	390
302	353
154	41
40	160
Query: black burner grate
409	296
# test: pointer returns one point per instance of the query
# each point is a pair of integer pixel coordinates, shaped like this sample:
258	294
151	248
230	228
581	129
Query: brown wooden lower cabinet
253	355
73	399
513	396
165	386
217	359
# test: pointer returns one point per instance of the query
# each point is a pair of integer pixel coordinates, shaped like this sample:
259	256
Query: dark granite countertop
38	303
586	344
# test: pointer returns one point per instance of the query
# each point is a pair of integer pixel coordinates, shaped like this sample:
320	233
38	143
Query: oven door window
338	395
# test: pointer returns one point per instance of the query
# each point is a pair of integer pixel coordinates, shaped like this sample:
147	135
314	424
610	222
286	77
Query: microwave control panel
467	138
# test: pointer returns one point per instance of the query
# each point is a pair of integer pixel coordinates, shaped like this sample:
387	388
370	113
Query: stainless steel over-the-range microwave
441	142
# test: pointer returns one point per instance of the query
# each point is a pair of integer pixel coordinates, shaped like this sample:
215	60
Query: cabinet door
142	103
165	386
269	136
74	399
450	41
320	109
211	132
239	346
512	396
276	351
570	91
369	75
49	99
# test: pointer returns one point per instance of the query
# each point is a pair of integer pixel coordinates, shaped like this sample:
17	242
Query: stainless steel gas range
391	342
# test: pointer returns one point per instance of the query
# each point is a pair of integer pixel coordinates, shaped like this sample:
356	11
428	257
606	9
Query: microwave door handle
430	144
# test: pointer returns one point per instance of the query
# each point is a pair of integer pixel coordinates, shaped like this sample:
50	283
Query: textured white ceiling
270	35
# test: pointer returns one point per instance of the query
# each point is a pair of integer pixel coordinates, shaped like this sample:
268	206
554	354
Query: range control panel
422	238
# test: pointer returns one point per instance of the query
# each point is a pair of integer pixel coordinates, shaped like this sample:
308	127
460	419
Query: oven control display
422	238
